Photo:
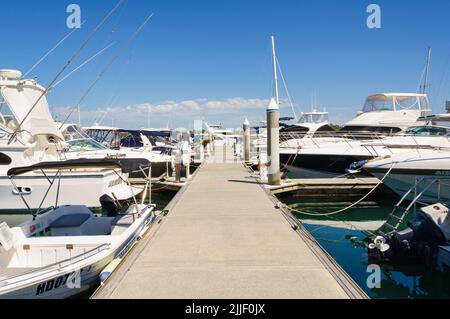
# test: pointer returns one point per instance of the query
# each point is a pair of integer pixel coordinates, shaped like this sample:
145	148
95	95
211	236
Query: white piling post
273	142
246	128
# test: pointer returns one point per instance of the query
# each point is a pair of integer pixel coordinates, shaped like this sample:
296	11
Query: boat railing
421	186
55	266
319	138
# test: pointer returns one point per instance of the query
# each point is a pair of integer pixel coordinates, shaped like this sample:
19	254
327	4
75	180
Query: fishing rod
83	64
110	63
50	51
91	36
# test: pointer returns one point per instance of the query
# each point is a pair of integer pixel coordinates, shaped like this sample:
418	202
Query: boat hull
73	190
319	166
400	181
77	278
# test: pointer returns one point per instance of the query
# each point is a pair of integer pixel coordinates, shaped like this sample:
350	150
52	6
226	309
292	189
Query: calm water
346	246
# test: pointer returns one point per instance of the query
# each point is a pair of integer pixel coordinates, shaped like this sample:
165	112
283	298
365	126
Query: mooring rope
348	207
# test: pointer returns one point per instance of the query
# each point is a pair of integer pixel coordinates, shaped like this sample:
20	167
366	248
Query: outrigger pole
110	63
91	36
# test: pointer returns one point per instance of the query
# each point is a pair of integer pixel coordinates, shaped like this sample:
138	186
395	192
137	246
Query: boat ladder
398	215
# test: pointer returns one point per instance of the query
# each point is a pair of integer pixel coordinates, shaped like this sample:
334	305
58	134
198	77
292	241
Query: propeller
380	243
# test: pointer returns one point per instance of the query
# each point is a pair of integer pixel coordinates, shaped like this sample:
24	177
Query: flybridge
10	74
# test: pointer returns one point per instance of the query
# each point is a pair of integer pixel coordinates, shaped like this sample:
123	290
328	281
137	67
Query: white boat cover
21	99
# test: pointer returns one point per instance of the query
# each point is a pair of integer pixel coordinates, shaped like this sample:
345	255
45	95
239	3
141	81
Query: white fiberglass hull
406	170
75	189
77	277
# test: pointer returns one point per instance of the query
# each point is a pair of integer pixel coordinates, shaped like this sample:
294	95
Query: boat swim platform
328	186
222	236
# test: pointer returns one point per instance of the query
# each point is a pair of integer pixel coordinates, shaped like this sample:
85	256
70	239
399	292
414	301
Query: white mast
427	71
275	75
79	115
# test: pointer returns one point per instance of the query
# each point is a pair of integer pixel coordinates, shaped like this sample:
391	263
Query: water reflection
346	244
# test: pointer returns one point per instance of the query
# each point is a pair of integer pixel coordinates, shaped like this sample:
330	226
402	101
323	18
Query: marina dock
223	237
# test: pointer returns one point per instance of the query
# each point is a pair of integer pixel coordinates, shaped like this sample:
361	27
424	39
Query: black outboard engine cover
109	205
421	240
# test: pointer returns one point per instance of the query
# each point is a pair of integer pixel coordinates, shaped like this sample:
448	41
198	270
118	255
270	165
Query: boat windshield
427	131
383	102
314	117
7	117
78	140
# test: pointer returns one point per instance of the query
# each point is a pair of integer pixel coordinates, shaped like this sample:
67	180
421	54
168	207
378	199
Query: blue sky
211	59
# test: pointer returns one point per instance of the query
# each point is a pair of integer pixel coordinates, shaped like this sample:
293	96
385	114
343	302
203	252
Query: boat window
7	118
5	159
378	103
371	129
427	131
78	140
406	102
398	102
314	117
325	128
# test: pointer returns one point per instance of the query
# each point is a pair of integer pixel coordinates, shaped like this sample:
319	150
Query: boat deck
223	238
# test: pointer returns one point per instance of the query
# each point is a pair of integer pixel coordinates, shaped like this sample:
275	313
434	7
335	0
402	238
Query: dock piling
246	141
273	142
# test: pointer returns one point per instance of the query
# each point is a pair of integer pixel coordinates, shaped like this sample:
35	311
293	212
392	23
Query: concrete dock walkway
223	238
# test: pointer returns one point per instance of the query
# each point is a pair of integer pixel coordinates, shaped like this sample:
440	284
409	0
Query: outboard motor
109	205
420	241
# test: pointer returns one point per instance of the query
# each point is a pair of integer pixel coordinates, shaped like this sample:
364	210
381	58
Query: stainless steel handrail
98	249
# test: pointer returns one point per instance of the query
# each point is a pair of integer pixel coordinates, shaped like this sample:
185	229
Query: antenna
106	68
83	64
50	51
275	75
75	54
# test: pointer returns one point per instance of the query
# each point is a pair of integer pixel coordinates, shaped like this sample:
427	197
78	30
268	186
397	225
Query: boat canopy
146	132
20	96
127	165
78	140
396	102
314	117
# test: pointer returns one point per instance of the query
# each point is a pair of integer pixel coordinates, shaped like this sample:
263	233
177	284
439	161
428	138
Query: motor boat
426	240
422	152
61	252
81	145
149	140
403	171
331	154
29	135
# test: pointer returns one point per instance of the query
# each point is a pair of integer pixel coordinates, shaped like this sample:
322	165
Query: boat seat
72	220
69	225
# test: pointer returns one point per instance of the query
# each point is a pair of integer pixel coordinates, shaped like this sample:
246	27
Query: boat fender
109	270
356	167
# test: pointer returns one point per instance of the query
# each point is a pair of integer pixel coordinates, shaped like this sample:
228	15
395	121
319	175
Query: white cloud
229	111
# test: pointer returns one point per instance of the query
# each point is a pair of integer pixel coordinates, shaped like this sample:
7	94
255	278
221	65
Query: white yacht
61	252
331	154
81	145
422	152
28	135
